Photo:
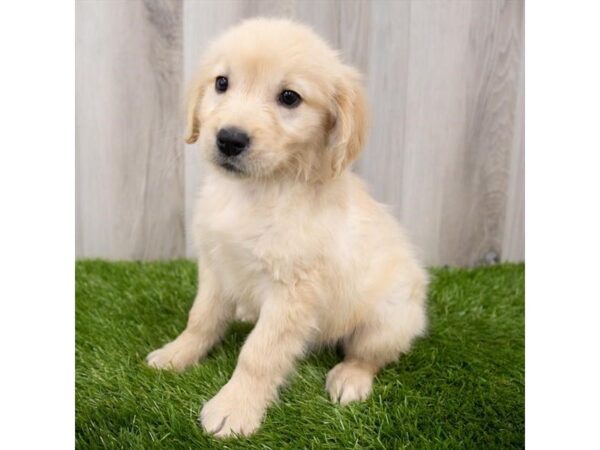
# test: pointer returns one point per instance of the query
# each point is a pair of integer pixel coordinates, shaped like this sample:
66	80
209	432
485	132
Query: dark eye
290	99
221	84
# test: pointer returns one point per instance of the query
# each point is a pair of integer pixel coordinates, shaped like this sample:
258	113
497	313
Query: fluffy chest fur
256	237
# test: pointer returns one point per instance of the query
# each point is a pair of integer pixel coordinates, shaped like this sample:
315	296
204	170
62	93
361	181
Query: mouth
229	167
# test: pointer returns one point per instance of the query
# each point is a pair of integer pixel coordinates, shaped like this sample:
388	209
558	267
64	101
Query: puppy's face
272	100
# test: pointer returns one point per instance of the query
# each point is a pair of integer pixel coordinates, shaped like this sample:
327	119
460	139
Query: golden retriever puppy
287	236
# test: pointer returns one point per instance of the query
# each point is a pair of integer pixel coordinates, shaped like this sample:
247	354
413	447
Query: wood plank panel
464	68
129	202
381	52
513	243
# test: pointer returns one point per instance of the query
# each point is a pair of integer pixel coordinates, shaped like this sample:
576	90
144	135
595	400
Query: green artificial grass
462	386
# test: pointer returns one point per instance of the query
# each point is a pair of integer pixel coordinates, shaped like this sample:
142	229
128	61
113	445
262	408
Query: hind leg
379	341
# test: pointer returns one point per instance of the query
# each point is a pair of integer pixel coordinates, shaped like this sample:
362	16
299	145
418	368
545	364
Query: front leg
207	321
283	330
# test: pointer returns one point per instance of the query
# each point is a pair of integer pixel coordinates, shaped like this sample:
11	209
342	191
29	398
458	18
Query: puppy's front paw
348	382
177	355
233	411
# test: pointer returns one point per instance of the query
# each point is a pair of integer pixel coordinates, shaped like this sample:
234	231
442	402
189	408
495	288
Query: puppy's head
272	99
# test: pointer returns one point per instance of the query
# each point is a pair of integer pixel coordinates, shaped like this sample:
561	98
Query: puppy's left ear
192	122
350	117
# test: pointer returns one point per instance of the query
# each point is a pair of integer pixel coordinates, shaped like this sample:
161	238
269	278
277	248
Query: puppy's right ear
192	121
349	116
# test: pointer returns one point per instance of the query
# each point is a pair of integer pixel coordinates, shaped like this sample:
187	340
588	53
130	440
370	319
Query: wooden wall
445	80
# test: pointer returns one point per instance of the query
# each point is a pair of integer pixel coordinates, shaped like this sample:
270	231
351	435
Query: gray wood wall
445	80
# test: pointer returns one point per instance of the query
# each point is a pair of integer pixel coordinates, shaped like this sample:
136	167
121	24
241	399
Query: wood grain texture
446	90
463	83
384	63
513	242
130	197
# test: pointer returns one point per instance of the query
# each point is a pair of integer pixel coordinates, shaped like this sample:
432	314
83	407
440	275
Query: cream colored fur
293	242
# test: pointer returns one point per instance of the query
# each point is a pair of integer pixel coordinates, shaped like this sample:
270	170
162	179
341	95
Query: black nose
232	141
